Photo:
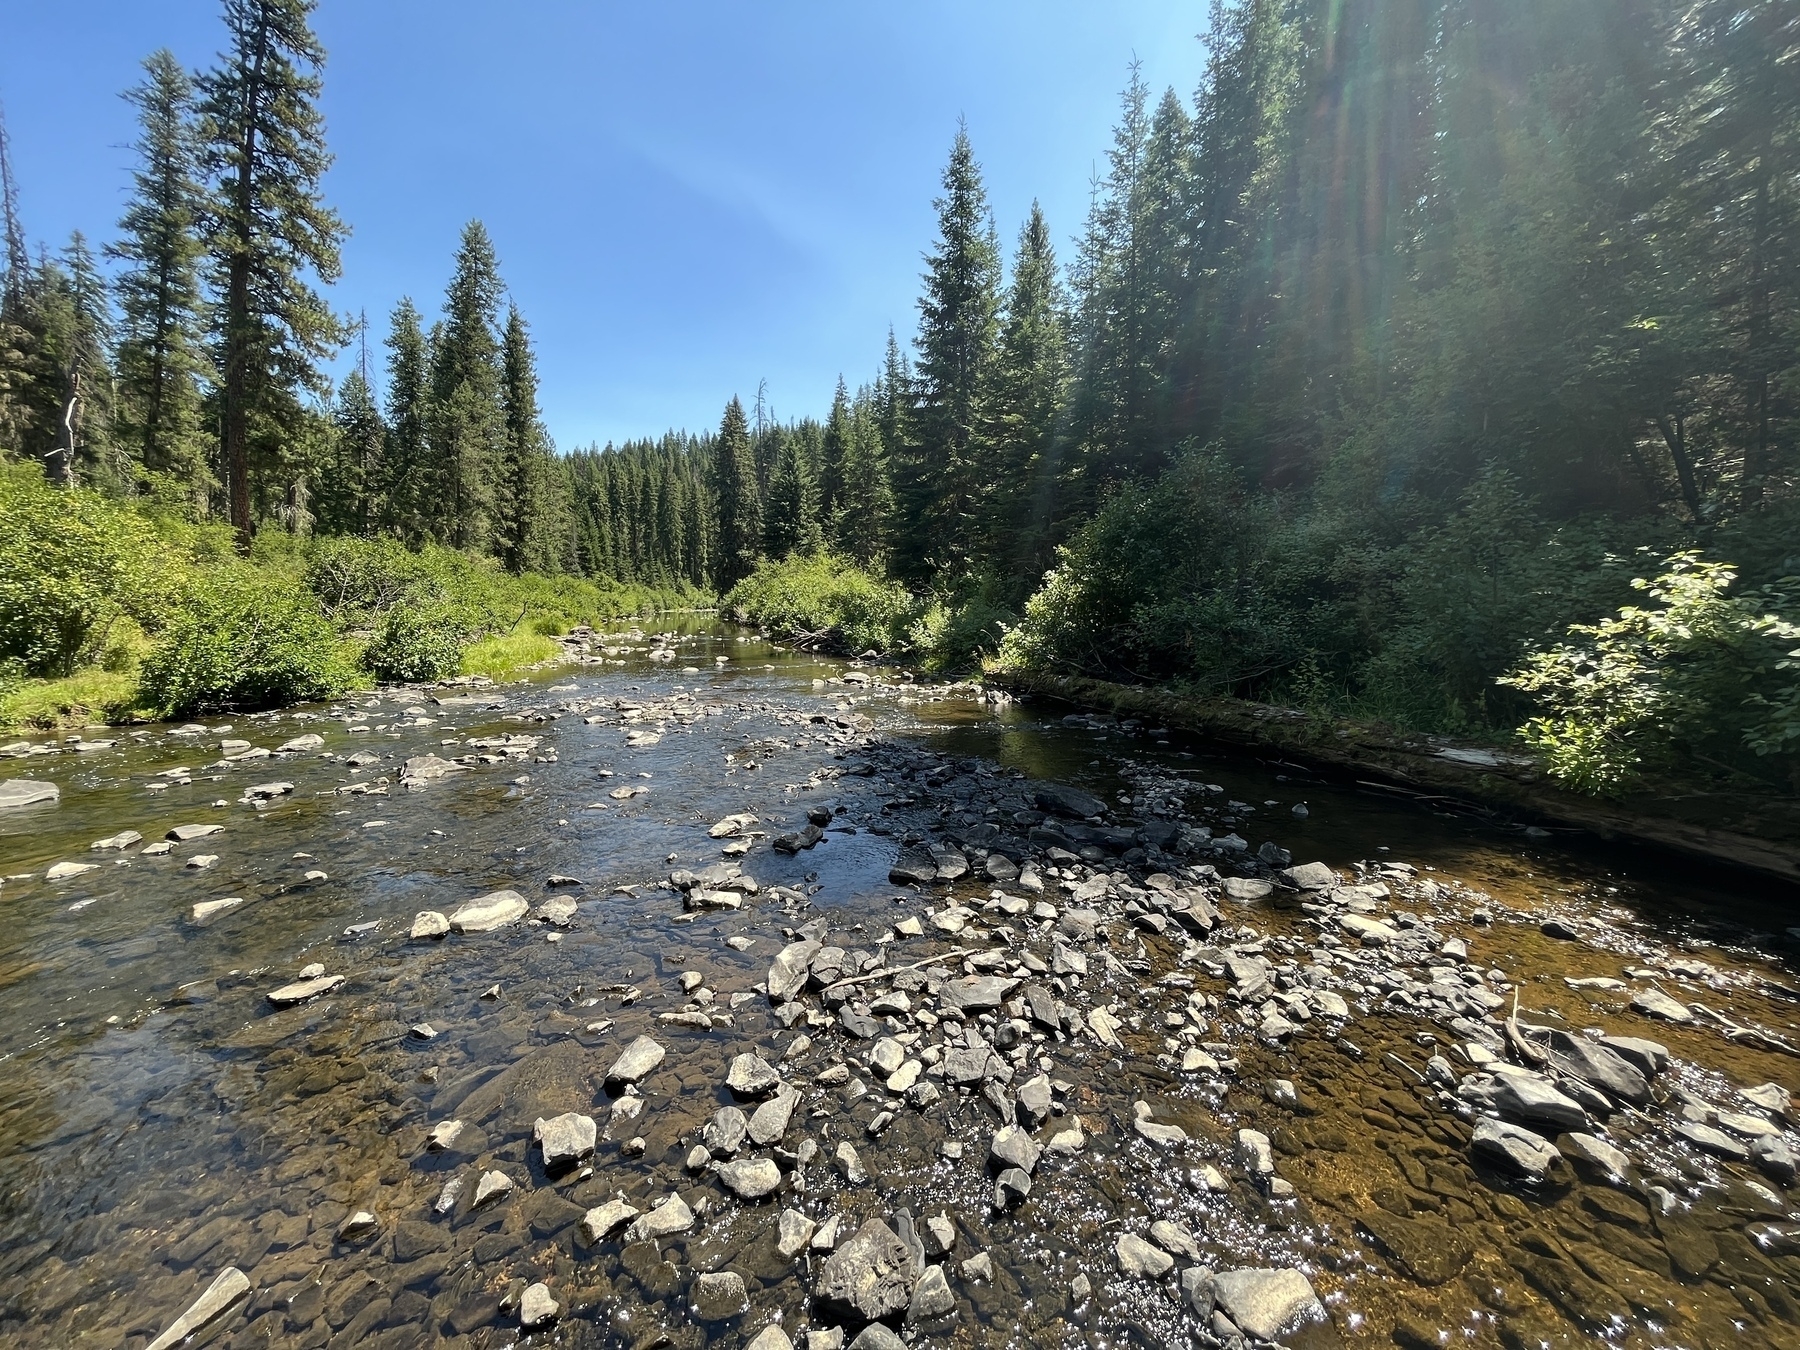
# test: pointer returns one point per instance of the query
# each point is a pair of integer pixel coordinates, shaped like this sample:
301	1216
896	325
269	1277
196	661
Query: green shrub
823	601
418	644
72	563
956	634
1704	677
365	578
245	640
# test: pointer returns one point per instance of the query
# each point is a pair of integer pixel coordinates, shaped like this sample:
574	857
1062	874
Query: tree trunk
1674	434
62	471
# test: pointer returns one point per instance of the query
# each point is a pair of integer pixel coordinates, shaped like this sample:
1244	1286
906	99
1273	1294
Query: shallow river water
161	1119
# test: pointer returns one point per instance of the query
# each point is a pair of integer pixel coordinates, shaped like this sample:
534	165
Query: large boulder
1071	803
1266	1304
485	913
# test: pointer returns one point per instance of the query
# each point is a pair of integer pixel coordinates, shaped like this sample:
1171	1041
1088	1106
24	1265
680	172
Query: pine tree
739	498
267	226
537	522
348	500
1022	407
406	468
864	520
957	319
834	450
467	430
160	357
75	379
791	517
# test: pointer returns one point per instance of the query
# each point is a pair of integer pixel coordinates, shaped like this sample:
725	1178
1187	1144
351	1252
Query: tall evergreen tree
1022	406
864	520
467	430
75	377
268	231
537	521
834	449
791	515
407	478
348	498
738	496
957	324
161	358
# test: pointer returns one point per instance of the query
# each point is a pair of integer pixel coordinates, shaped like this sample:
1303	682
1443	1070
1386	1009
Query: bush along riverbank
114	610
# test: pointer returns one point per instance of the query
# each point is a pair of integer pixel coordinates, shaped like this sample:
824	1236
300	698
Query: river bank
661	1003
1760	833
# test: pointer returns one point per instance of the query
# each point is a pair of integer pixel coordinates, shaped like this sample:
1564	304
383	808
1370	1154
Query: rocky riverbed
702	992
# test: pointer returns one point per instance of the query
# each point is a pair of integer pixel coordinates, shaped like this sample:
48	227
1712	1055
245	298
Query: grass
88	698
502	655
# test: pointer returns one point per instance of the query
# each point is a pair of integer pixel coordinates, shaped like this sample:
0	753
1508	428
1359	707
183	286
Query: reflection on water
159	1119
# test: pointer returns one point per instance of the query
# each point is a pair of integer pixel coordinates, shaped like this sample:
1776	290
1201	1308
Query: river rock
1174	1239
1245	890
724	1133
1372	932
1599	1065
421	769
1071	803
666	1220
1655	1003
537	1306
603	1221
788	974
914	867
1266	1304
429	923
485	913
206	911
1141	1261
636	1061
1531	1098
931	1296
1312	876
183	834
123	839
1770	1097
867	1278
229	1288
770	1121
875	1336
302	990
720	1295
751	1179
771	1337
64	871
1424	1247
566	1139
1647	1057
1596	1155
793	1232
492	1186
1776	1158
26	792
443	1135
310	741
1012	1147
751	1075
1713	1141
1514	1147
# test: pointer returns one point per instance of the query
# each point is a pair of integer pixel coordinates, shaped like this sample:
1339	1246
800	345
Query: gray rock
310	741
183	834
788	974
1603	1067
751	1178
875	1336
1012	1147
492	1186
1312	876
1514	1147
666	1220
1769	1096
976	993
1174	1239
1034	1098
1141	1261
914	867
724	1133
26	792
229	1288
1710	1140
940	1235
637	1060
1011	1187
603	1221
1655	1003
123	839
1647	1057
1534	1099
771	1337
443	1136
1245	890
1267	1304
302	990
537	1306
867	1278
566	1139
1072	803
751	1075
485	913
719	1296
358	1226
1596	1155
1774	1156
931	1297
850	1164
428	923
770	1122
793	1232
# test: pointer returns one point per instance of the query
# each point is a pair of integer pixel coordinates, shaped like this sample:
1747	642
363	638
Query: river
161	1119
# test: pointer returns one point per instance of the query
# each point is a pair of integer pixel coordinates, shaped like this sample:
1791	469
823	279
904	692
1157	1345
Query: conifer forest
1433	362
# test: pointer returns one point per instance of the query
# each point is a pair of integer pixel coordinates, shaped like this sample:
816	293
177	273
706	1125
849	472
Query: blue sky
686	197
